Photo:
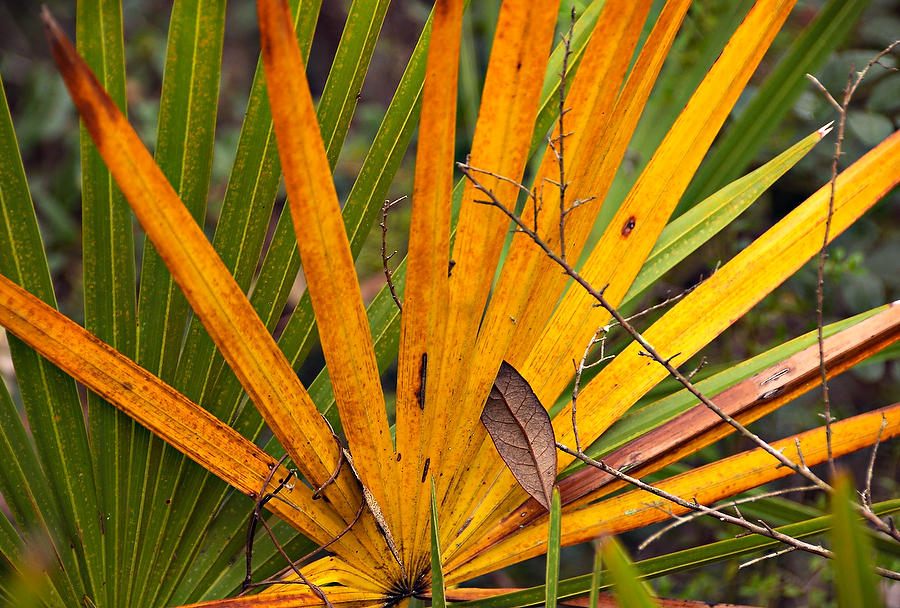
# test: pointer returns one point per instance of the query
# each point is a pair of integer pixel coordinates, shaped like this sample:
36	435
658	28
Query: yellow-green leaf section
332	570
327	261
298	596
670	442
707	484
730	292
530	283
685	234
609	147
426	291
621	251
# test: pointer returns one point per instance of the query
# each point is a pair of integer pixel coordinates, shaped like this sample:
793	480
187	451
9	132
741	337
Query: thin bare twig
866	497
388	273
669	300
317	591
766	556
579	369
317	494
761	528
700	366
849	90
558	145
276	578
731	503
261	499
648	349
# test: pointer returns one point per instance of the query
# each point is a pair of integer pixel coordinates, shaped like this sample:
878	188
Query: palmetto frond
371	502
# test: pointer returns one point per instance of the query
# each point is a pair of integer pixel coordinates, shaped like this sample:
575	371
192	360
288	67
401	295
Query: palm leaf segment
453	338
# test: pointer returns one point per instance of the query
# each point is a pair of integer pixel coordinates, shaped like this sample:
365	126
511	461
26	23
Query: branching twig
648	349
388	274
866	497
731	503
579	369
317	591
558	144
695	506
761	528
849	90
261	499
294	564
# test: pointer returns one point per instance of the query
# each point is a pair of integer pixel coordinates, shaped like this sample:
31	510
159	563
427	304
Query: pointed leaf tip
522	433
825	130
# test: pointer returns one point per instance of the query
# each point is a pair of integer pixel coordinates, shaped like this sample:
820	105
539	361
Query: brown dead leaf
522	433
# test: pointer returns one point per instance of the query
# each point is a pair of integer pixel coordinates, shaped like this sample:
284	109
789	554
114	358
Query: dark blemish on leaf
399	456
127	386
464	526
425	470
168	501
358	95
629	226
423	370
769	394
450	267
776	376
102	527
518	66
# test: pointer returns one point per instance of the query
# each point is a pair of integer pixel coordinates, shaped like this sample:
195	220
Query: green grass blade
688	232
854	576
594	597
184	148
351	62
774	99
629	589
678	561
437	571
50	398
554	531
109	295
